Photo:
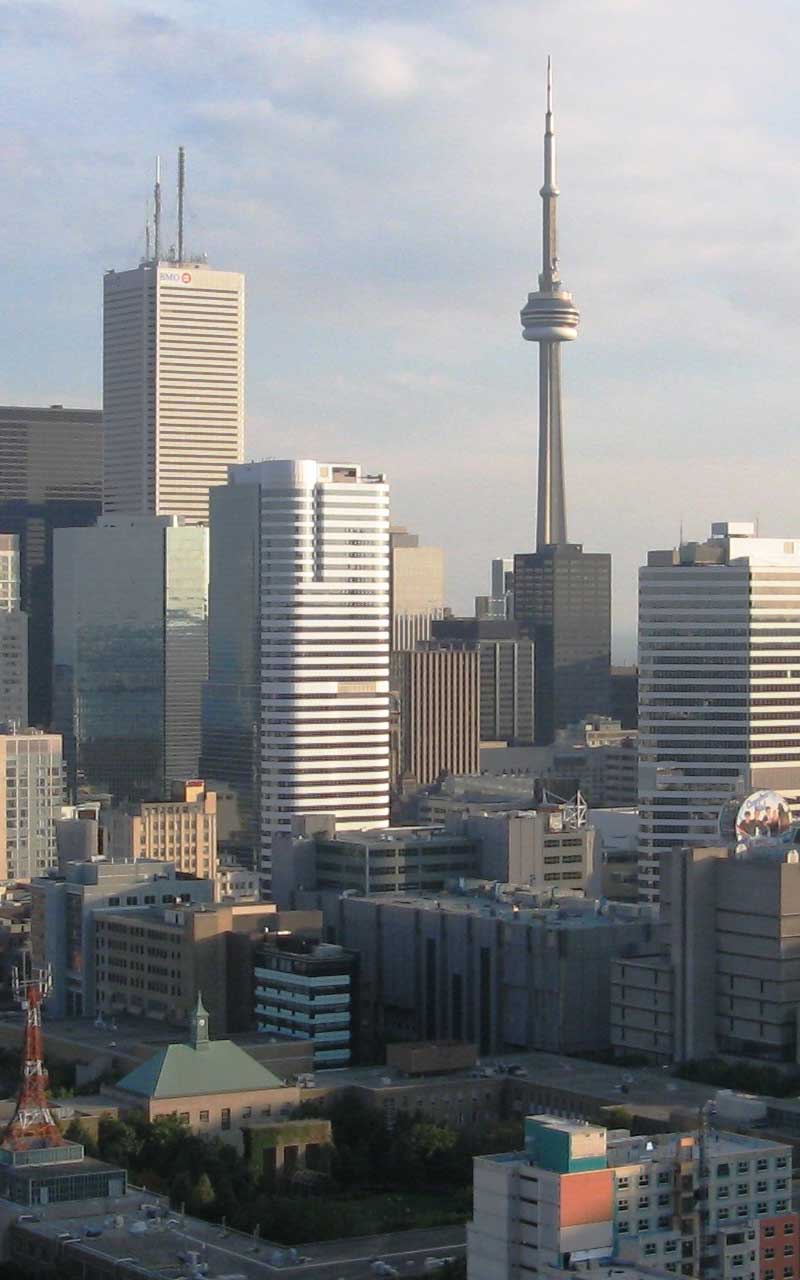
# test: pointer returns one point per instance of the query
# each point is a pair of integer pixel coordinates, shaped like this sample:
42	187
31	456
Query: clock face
201	1022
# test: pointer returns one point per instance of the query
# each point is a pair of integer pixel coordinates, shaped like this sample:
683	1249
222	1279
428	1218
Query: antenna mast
147	232
157	213
181	190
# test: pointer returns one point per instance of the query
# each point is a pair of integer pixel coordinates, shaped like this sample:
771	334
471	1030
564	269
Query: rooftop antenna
181	190
147	231
157	213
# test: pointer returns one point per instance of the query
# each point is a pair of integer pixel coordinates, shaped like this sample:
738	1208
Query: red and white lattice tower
32	1124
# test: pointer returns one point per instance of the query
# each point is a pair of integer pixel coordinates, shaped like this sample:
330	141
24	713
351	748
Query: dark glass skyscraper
51	469
562	599
131	652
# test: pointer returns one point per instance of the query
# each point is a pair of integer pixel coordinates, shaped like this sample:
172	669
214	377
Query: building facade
173	386
310	633
439	697
182	830
506	673
562	601
719	653
131	653
710	1204
13	636
31	796
481	967
726	979
64	907
51	477
308	990
417	588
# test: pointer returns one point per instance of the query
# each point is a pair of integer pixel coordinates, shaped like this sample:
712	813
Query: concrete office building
182	830
131	653
13	636
31	795
483	968
602	763
580	1197
543	849
153	961
417	587
51	477
64	906
719	652
390	860
307	990
173	386
439	692
506	673
310	632
726	979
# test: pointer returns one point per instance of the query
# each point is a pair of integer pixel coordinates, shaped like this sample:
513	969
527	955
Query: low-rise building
154	961
495	968
63	909
710	1204
213	1086
308	990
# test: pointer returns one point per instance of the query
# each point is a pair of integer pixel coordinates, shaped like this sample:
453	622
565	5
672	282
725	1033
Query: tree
203	1198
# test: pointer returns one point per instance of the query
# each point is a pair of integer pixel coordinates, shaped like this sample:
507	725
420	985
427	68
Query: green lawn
294	1221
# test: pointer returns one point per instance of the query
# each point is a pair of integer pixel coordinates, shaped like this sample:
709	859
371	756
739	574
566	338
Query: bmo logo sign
176	277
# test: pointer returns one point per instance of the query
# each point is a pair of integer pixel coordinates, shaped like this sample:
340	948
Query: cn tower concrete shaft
550	317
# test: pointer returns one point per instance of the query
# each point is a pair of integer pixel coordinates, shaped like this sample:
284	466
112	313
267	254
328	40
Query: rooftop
516	904
181	1071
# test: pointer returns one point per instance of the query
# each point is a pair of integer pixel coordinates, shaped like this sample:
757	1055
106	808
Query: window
741	1188
225	1117
247	1112
183	1116
723	1170
723	1213
204	1117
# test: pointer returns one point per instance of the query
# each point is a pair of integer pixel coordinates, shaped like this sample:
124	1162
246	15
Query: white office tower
323	621
173	383
719	685
13	637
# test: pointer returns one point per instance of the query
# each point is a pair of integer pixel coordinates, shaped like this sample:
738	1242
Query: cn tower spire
550	317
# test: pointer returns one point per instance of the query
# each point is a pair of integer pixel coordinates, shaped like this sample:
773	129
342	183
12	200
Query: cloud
374	167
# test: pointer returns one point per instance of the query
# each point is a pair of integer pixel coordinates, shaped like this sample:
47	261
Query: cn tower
550	317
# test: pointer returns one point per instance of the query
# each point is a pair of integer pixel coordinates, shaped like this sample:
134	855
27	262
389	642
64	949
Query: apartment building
308	990
579	1198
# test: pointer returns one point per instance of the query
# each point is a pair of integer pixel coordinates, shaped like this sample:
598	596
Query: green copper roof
180	1071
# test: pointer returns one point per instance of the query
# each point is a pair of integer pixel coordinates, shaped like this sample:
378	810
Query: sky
373	166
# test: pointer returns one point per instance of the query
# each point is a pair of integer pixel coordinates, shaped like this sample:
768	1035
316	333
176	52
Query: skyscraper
51	477
417	587
130	652
13	637
440	729
506	673
562	596
719	685
173	380
300	642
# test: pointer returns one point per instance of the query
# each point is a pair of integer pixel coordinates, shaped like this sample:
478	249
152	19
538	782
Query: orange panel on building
587	1197
779	1247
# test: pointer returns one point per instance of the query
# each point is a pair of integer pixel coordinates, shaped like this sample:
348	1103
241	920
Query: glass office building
130	652
562	600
